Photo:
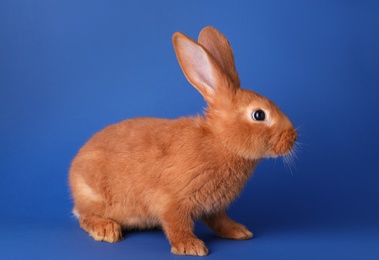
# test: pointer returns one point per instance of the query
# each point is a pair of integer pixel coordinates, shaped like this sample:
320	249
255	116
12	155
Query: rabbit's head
244	122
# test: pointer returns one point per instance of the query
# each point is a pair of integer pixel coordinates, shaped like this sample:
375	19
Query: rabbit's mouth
285	143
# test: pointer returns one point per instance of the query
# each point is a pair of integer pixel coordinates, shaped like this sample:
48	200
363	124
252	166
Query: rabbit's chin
281	149
275	155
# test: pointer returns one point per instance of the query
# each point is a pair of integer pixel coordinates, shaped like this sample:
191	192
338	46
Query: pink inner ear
199	68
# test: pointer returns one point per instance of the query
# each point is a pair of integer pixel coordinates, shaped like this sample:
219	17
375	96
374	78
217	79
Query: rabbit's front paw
224	227
191	246
238	232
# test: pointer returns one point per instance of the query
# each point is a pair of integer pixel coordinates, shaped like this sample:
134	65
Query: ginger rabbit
150	172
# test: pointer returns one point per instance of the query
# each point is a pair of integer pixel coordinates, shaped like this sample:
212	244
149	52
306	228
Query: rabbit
147	173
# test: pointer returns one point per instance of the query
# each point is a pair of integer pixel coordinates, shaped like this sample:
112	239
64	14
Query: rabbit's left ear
217	44
203	71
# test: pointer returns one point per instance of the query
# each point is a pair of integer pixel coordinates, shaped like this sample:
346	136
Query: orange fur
150	172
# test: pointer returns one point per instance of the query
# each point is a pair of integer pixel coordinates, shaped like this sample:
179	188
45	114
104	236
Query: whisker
299	145
289	160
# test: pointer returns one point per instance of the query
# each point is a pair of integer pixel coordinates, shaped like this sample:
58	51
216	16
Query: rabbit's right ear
218	45
202	70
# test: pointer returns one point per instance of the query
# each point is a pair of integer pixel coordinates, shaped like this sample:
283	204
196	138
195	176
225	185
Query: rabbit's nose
294	135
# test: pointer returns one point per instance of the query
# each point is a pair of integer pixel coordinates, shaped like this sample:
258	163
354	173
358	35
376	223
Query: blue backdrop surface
69	68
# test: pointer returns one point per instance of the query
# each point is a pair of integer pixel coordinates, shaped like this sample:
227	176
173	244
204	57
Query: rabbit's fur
150	172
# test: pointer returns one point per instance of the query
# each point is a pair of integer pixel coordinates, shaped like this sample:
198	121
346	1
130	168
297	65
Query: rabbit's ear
202	70
217	44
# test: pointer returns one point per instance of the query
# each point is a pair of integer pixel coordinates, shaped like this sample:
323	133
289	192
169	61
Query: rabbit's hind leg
101	229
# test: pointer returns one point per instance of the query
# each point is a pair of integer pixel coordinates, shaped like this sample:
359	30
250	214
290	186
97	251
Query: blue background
69	68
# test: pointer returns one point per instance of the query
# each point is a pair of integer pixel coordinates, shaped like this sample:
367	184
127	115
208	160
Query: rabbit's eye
258	115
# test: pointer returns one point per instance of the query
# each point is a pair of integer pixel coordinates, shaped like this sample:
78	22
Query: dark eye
258	115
